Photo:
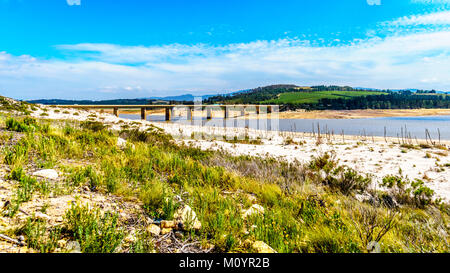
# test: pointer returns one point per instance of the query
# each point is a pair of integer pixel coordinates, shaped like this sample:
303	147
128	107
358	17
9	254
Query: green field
315	96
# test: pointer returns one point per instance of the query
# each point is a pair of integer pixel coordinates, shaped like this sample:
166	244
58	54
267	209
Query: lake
395	126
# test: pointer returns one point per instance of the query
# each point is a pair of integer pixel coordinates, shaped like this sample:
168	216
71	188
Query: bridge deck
169	108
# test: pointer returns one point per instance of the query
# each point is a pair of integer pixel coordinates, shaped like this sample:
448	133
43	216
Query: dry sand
374	157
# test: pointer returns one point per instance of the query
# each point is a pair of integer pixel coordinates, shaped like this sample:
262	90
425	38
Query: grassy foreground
241	202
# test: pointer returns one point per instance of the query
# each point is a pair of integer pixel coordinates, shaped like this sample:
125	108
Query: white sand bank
375	157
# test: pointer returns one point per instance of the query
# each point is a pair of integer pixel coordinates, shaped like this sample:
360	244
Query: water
414	126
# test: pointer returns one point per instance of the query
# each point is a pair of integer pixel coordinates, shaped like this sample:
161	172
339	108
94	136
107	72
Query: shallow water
395	126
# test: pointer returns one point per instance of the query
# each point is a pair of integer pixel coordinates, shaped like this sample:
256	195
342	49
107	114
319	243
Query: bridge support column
189	113
257	109
168	113
143	113
116	111
209	114
226	113
269	109
243	111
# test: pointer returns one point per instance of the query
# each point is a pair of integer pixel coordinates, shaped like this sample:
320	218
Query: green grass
314	96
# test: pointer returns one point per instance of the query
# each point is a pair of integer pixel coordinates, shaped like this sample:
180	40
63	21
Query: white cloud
411	60
437	18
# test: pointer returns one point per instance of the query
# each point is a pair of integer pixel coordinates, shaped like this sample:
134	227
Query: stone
185	214
42	216
48	173
121	142
154	230
164	231
254	209
62	243
188	218
131	238
168	224
261	247
73	247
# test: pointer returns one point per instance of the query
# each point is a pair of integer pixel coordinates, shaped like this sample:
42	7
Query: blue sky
97	49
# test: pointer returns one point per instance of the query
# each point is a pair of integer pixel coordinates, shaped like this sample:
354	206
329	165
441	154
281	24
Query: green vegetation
96	233
308	207
291	97
314	97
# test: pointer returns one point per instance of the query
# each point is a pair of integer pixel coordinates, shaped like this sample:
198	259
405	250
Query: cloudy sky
98	49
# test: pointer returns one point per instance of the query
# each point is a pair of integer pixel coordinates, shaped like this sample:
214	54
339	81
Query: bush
157	200
96	233
94	126
86	175
408	192
39	238
326	171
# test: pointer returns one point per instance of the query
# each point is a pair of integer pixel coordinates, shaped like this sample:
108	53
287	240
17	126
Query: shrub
408	192
156	198
39	238
86	175
326	171
371	225
94	126
96	233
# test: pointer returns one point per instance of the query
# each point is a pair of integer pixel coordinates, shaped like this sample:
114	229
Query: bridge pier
226	112
189	113
116	111
168	113
143	113
209	114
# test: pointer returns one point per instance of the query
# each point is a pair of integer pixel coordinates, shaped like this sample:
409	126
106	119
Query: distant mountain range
273	89
138	101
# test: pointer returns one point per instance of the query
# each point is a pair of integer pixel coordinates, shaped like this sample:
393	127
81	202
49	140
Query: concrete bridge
169	109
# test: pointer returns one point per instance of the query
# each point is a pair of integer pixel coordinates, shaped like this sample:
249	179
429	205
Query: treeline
261	94
393	100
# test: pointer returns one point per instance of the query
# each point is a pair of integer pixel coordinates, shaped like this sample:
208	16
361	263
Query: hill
291	97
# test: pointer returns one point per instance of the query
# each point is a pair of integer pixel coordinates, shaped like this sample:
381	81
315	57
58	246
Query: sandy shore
372	156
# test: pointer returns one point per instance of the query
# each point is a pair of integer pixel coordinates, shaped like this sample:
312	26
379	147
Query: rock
261	247
41	216
188	218
121	142
131	238
73	247
49	174
197	225
21	238
154	230
62	243
168	224
164	231
254	209
186	214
